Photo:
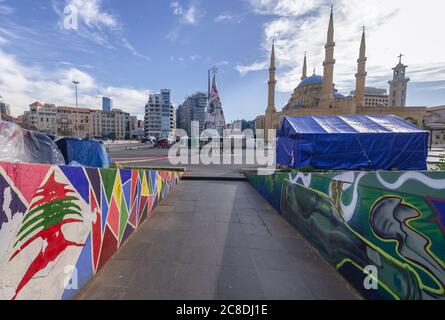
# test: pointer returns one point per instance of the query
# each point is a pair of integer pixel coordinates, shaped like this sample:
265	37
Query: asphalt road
159	158
151	157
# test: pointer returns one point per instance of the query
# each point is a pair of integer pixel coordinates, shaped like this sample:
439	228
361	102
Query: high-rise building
398	85
159	115
107	104
5	109
133	122
192	109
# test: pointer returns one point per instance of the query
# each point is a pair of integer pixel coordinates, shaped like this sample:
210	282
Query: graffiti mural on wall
394	221
59	225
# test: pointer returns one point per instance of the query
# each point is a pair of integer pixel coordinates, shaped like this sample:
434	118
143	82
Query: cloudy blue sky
127	49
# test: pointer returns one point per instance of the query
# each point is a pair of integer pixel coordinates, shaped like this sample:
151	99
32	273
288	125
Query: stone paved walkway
217	240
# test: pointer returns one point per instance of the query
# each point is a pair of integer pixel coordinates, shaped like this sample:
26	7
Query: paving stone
239	283
127	251
200	239
204	215
134	293
200	255
195	279
153	275
175	223
232	256
103	292
266	242
249	219
163	252
276	260
164	208
329	286
282	285
233	237
117	273
255	229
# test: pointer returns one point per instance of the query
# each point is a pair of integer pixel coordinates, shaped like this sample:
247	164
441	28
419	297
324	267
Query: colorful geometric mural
393	221
60	225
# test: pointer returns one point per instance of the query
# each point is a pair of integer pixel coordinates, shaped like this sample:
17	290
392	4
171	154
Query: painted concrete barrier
59	225
383	231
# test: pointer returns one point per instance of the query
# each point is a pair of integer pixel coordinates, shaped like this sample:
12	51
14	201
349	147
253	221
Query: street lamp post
77	107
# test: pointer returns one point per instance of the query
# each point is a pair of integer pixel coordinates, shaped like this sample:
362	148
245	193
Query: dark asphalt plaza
216	240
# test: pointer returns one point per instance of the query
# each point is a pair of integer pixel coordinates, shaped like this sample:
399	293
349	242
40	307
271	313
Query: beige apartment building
78	122
42	117
114	124
73	121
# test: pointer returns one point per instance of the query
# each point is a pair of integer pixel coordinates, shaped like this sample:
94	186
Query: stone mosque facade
316	95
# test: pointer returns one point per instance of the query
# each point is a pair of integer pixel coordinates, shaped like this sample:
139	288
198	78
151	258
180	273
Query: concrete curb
210	178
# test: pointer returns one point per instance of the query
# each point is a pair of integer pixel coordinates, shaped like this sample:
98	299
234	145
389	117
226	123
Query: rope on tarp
364	152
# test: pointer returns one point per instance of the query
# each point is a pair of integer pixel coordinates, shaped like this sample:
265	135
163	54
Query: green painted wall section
391	222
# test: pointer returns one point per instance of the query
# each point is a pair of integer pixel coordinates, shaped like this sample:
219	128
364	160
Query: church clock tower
398	86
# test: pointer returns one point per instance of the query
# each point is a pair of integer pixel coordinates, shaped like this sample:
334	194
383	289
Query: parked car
163	143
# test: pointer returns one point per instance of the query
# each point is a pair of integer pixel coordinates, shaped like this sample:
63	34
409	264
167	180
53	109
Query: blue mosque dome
338	95
297	105
313	79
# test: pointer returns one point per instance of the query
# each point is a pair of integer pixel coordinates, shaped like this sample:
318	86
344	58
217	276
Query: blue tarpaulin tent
87	153
351	143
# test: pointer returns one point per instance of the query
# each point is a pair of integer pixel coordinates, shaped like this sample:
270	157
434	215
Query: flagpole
208	92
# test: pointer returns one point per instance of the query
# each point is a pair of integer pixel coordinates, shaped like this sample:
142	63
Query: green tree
441	165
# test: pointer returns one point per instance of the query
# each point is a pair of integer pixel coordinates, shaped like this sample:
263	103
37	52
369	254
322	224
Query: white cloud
392	27
5	9
228	18
95	24
91	12
133	50
189	16
284	7
256	66
222	63
21	85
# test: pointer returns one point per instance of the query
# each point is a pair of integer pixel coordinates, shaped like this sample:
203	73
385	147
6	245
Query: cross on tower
400	58
214	70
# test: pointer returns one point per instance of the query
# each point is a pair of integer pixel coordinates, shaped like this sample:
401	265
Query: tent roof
346	124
